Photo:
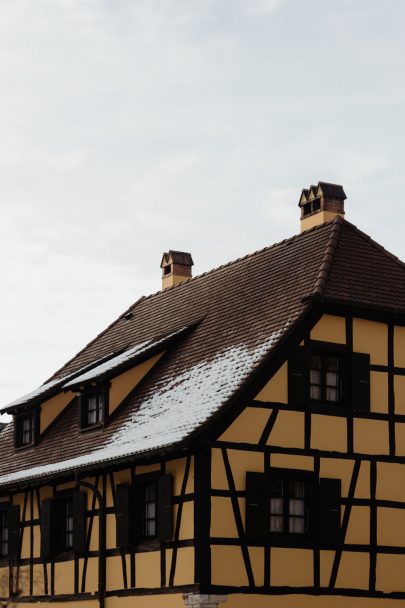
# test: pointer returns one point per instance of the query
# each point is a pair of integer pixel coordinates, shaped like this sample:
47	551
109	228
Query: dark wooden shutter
46	527
83	419
164	503
79	521
138	511
122	514
361	382
329	510
298	376
13	531
256	506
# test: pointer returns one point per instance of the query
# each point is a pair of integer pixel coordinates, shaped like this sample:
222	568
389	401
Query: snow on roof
120	359
175	409
75	378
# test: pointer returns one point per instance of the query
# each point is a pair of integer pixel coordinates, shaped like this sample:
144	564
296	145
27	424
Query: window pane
296	525
315	392
331	394
296	507
276	506
276	488
332	364
150	492
315	376
150	510
276	523
331	379
296	489
150	528
315	362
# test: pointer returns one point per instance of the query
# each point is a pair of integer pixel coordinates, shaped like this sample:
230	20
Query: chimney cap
323	189
176	257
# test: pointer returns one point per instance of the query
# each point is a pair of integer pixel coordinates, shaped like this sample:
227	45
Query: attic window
92	408
24	430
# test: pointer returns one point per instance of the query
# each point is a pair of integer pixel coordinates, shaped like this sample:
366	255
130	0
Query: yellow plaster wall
399	346
328	433
147	567
330	329
336	468
325	566
291	567
358	530
187	520
317	219
222	518
115	578
370	436
184	573
276	389
353	571
248	426
228	567
176	468
64	577
218	474
400	438
256	555
391	527
290	461
123	384
371	338
399	389
241	462
91	583
390	481
53	407
288	430
390	572
379	392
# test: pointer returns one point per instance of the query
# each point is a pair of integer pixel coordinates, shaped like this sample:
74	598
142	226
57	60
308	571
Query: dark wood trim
202	517
345	523
269	427
178	520
238	519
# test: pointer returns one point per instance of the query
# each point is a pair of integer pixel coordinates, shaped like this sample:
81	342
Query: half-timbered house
237	437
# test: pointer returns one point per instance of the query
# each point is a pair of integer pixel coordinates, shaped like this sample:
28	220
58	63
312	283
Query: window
288	511
24	427
149	511
63	524
3	533
92	409
288	508
68	524
144	510
325	378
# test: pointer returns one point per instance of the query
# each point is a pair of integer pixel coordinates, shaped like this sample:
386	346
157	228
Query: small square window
24	427
289	507
92	409
326	378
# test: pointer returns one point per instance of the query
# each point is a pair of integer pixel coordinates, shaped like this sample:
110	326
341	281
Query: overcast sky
128	127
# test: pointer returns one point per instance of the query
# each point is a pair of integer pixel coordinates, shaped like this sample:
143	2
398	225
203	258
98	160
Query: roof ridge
241	259
328	257
370	240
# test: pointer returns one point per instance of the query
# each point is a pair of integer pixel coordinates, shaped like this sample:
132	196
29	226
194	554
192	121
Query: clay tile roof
237	314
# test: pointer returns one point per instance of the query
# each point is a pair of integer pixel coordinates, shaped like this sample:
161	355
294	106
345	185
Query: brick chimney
320	204
176	267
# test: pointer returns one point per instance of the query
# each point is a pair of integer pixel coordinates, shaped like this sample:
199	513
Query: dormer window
24	430
93	407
